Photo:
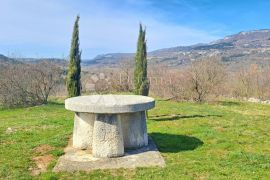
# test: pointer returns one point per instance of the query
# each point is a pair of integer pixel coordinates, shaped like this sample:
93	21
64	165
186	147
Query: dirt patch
220	129
43	149
6	143
42	162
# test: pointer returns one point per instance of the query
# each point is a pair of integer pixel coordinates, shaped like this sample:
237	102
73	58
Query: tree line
29	84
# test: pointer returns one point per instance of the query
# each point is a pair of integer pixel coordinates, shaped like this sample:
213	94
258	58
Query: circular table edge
116	109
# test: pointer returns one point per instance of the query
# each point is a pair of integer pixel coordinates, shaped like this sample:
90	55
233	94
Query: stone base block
80	160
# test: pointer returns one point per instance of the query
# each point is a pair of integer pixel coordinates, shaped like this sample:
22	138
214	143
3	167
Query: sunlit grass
225	140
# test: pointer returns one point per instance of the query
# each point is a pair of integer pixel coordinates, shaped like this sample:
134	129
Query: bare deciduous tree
28	84
126	74
204	76
252	82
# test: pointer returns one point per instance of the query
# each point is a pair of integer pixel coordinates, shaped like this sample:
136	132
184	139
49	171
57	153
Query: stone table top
110	104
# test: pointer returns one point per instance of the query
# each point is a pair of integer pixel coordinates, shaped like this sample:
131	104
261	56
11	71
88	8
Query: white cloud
103	28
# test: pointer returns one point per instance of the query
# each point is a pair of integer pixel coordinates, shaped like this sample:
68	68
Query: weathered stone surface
106	124
107	136
112	104
83	130
79	160
134	129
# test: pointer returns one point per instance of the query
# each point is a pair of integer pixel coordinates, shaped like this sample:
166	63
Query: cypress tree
141	82
74	69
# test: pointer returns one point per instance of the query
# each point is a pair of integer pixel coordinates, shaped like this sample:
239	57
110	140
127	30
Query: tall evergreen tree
141	82
74	69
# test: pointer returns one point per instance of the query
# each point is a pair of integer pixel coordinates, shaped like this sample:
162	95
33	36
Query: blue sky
42	28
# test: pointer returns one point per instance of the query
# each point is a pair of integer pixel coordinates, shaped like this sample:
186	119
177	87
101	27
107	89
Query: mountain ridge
244	47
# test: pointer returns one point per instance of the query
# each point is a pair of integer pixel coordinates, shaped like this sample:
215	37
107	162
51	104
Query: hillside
4	60
236	50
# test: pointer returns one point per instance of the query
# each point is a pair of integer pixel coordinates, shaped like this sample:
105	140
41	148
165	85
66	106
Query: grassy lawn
225	140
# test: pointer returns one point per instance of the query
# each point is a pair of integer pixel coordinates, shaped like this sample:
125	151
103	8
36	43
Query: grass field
224	140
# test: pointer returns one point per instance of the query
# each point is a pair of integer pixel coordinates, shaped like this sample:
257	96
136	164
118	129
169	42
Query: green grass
225	140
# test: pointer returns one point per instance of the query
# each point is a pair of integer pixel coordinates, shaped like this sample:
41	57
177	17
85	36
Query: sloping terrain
244	48
4	60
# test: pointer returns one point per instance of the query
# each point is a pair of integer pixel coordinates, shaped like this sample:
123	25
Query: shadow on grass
168	99
175	143
55	103
169	117
229	103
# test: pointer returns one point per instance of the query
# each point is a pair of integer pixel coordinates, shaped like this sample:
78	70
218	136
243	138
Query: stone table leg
83	130
107	136
134	129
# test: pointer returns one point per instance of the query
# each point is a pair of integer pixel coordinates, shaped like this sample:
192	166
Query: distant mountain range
244	48
4	60
236	50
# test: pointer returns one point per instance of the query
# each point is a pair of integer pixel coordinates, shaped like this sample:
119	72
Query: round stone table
108	124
